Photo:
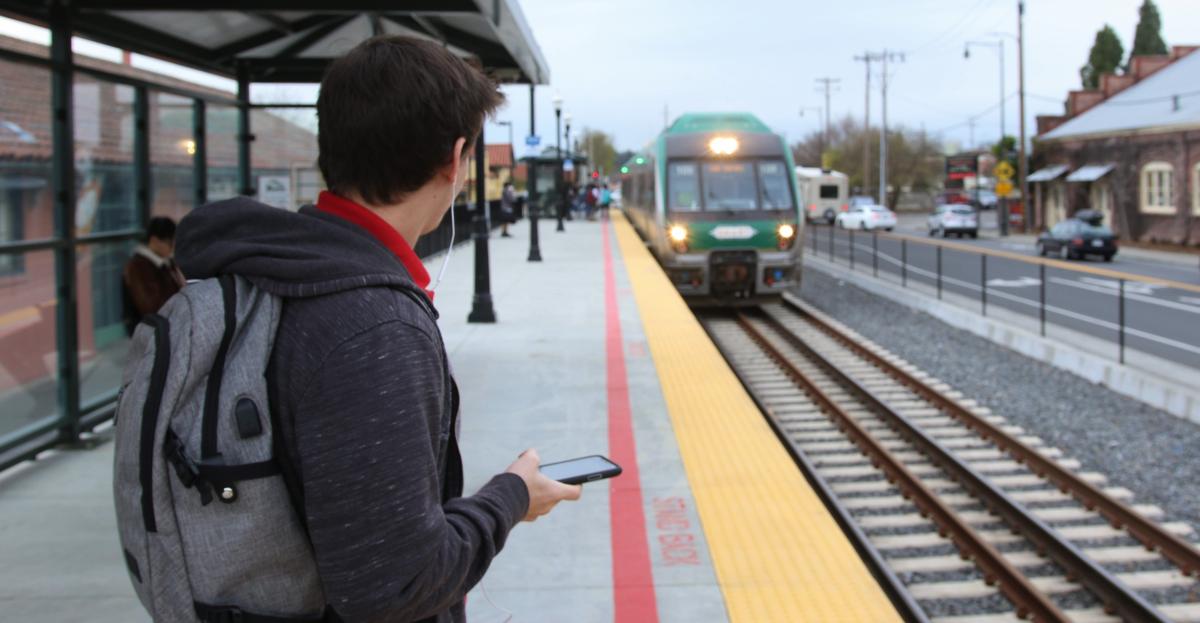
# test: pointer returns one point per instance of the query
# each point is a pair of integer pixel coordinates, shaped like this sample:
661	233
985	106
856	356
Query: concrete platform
538	378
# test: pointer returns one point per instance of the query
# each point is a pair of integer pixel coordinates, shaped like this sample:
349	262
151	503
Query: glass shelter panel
172	146
104	141
26	204
28	361
103	339
221	128
284	156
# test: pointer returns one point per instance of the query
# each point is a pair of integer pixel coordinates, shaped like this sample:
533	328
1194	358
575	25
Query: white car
954	218
867	217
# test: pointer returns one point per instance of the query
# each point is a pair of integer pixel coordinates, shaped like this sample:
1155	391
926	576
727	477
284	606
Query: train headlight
723	145
678	233
786	232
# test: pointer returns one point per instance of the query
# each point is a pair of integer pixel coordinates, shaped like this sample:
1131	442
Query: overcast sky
618	63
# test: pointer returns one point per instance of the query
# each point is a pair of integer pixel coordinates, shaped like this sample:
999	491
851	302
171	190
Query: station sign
533	140
962	166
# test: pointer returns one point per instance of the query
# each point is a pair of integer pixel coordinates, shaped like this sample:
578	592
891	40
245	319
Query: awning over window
1049	173
1090	173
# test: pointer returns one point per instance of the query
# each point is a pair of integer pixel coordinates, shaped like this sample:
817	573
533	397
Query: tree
1104	58
1148	38
600	151
914	161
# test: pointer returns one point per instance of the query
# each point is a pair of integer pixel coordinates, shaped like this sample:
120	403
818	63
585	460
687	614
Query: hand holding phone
544	492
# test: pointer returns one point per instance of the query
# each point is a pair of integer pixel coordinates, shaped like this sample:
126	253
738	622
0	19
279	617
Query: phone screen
580	470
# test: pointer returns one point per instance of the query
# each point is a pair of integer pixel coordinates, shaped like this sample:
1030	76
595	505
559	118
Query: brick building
1130	149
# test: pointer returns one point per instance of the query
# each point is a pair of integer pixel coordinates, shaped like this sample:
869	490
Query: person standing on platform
508	199
151	276
363	402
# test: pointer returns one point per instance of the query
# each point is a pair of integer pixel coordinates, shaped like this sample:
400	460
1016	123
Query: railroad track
967	518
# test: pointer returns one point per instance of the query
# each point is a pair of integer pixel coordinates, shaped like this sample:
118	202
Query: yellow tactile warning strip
778	554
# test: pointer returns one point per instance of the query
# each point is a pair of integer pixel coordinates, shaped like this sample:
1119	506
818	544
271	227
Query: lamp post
1002	208
481	304
999	45
535	251
508	124
558	175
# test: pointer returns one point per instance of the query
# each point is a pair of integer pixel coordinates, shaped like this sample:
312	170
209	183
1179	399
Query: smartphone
581	470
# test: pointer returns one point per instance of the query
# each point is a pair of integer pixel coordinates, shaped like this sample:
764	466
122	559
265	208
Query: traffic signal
624	169
595	175
639	160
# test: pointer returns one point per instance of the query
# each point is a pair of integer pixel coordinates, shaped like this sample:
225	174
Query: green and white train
716	199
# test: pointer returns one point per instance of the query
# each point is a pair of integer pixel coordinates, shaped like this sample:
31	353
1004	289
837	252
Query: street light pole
1022	165
1000	47
481	305
558	175
535	251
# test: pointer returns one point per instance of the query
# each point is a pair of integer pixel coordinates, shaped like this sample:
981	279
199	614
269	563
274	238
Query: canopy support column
481	305
244	135
63	172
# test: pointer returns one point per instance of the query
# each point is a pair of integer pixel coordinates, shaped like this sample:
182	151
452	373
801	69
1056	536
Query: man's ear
456	159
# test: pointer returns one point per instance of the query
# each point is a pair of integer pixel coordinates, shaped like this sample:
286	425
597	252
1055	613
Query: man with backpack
287	431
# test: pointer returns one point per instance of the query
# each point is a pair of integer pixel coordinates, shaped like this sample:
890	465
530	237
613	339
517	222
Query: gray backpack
208	526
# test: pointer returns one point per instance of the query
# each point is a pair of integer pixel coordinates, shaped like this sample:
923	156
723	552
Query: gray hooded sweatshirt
365	409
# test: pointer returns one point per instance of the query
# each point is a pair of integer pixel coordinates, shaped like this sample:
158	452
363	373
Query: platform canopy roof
293	41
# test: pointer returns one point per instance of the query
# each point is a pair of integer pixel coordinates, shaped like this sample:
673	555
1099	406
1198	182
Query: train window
729	186
772	179
829	191
684	187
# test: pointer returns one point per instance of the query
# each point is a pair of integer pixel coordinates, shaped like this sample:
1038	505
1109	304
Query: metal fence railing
1143	321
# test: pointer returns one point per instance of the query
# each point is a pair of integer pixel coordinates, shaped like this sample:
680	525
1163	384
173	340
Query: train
715	198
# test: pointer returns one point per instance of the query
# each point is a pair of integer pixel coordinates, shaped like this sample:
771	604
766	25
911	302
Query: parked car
867	217
954	218
861	200
1076	238
985	199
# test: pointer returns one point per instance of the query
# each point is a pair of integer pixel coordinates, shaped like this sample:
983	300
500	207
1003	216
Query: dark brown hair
389	112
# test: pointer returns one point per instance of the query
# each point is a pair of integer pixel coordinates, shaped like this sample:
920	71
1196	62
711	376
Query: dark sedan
1075	239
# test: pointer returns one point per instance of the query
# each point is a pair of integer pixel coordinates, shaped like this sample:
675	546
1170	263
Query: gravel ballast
1148	451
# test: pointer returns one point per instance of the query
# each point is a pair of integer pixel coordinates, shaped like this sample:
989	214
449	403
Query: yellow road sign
1004	188
1003	170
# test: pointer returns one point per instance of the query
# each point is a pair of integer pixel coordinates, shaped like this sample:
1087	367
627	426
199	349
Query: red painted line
633	582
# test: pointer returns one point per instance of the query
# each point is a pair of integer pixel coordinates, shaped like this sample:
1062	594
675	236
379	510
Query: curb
1173	397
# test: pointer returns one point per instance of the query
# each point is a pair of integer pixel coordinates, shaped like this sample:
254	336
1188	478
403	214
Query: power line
952	29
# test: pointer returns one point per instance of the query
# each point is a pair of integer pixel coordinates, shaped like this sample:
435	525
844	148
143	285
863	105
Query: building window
1196	189
1158	188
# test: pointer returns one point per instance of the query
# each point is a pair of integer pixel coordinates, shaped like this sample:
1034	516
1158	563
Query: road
1160	265
1158	320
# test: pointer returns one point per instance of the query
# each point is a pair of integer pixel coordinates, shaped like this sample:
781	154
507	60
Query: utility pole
884	57
971	124
827	84
1022	166
866	59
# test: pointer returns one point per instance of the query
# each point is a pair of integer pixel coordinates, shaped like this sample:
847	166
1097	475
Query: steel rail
905	604
1104	585
1147	532
1027	599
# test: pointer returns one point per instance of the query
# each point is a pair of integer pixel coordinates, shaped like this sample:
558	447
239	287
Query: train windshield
772	179
729	186
683	183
